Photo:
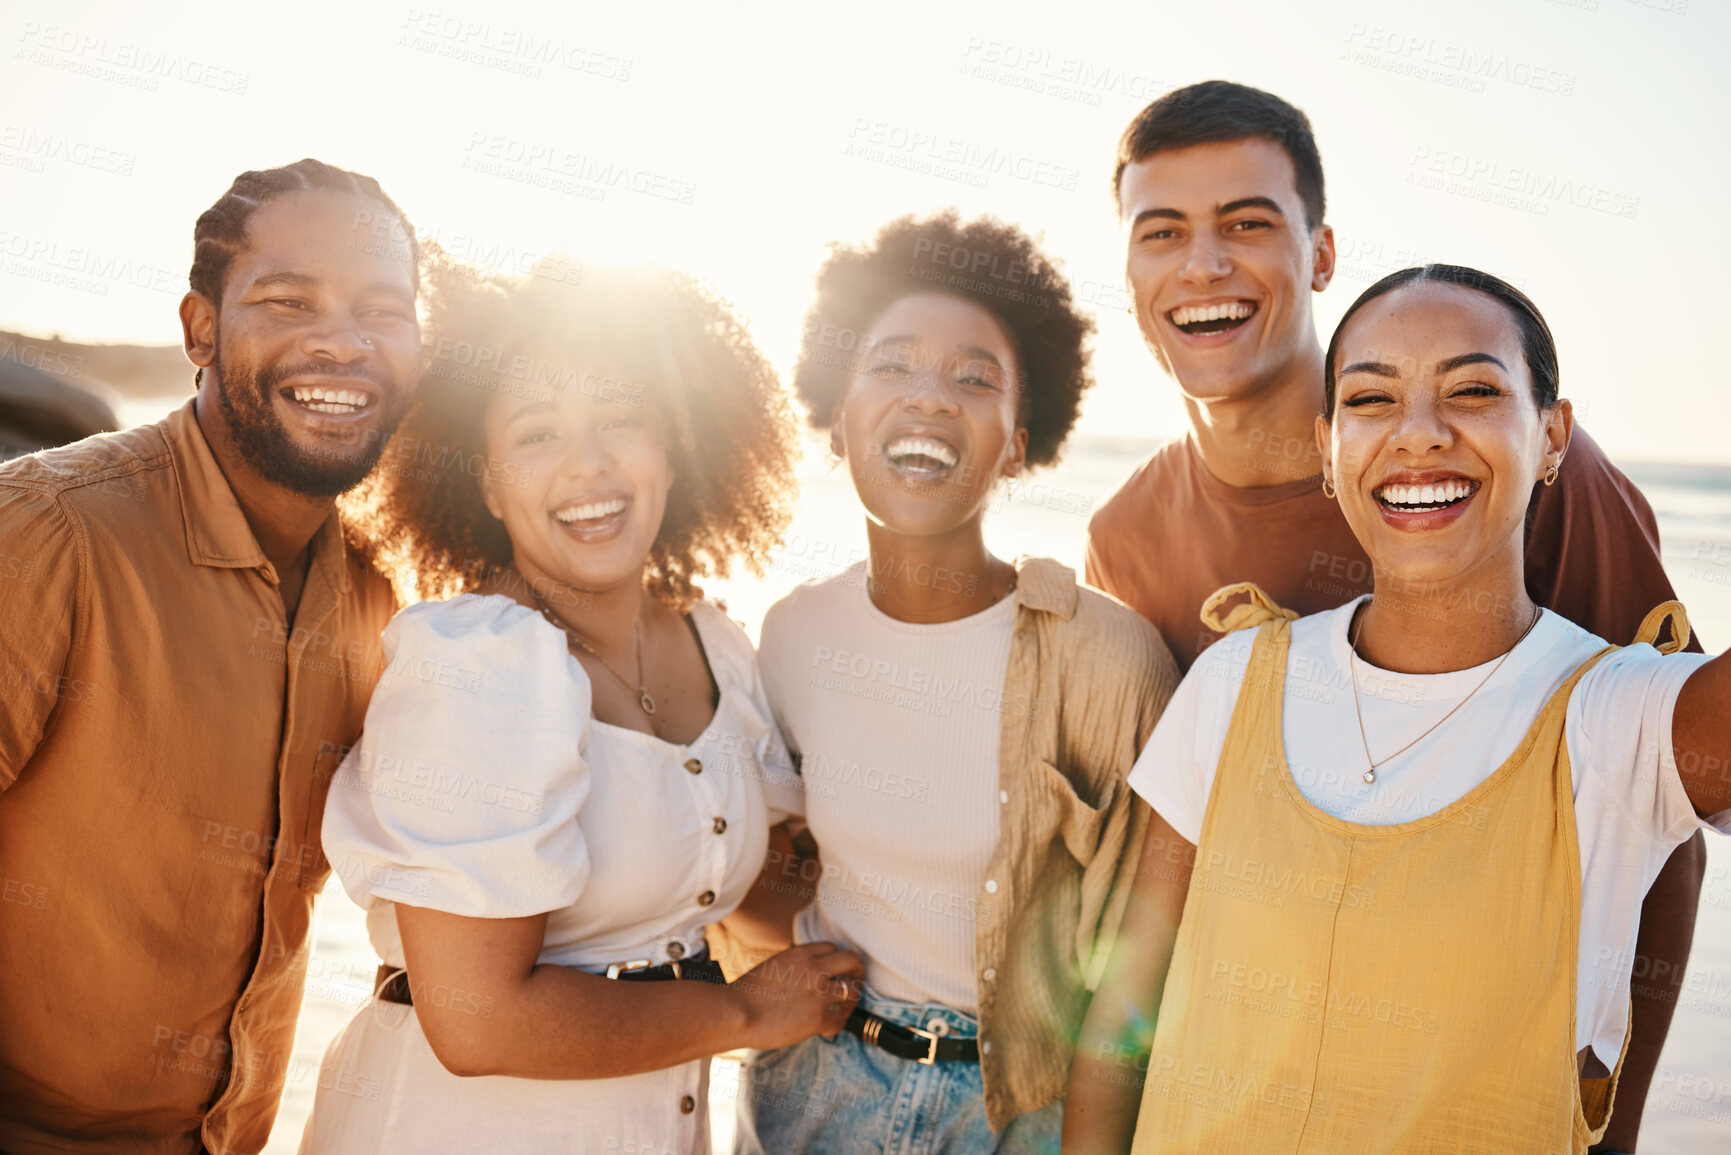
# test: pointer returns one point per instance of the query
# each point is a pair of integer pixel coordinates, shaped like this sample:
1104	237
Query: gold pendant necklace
1352	671
644	699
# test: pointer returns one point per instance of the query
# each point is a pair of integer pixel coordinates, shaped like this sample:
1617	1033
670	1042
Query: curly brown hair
984	260
647	337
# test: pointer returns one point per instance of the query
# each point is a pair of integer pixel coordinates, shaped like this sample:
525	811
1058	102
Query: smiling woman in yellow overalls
1389	898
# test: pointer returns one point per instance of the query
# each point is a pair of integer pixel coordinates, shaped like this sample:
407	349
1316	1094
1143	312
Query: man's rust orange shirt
166	741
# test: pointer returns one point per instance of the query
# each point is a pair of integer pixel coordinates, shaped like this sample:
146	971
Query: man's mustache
269	378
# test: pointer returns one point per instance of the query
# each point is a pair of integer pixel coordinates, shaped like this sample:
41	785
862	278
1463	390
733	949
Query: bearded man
186	649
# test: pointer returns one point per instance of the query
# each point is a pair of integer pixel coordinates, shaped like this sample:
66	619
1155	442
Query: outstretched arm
1593	556
1105	1090
1668	914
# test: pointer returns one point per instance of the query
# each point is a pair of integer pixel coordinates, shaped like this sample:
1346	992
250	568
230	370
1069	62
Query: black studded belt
701	968
911	1042
392	983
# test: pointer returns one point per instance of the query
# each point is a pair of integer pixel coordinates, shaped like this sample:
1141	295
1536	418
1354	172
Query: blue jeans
842	1096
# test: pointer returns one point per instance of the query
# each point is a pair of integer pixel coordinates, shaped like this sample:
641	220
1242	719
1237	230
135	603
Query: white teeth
1194	314
330	400
591	510
921	447
1426	496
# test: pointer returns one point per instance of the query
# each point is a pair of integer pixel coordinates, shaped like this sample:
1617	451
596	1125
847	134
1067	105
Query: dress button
706	898
694	766
675	950
721	826
687	1105
990	974
991	886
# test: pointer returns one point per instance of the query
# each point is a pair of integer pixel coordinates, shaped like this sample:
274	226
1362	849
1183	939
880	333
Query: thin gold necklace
1352	671
643	697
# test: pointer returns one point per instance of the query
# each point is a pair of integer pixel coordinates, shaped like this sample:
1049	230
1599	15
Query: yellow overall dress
1353	990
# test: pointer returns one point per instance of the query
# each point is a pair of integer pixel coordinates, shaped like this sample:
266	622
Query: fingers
836	988
830	971
835	1015
845	963
841	973
831	960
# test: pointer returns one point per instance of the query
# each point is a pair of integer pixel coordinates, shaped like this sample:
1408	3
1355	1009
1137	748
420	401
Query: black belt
911	1042
392	983
702	969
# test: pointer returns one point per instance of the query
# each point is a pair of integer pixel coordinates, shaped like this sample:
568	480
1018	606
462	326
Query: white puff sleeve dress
483	787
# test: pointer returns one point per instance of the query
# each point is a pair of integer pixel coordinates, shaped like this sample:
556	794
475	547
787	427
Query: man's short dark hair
1219	112
220	233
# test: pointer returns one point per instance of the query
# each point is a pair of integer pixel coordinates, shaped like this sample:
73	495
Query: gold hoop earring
1328	489
1551	474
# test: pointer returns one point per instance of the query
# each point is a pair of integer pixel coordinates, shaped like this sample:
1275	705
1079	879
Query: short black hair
1538	347
220	233
1001	269
1219	112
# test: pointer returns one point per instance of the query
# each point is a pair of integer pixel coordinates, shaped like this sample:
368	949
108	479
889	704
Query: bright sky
1573	146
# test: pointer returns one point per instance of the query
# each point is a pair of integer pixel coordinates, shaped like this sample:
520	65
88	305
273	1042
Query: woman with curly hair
568	769
963	722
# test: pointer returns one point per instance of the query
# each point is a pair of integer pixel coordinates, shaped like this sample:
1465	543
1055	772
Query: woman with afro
962	722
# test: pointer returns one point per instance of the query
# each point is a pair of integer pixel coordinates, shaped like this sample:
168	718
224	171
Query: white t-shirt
1630	807
896	726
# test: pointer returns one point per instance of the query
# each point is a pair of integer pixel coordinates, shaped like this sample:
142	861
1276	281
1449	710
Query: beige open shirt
166	743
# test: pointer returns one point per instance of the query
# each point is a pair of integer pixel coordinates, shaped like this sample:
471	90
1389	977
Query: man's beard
245	394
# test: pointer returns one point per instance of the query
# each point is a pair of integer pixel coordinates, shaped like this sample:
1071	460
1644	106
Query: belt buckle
931	1055
636	964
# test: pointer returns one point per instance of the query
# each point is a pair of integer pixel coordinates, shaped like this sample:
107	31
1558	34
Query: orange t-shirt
1174	533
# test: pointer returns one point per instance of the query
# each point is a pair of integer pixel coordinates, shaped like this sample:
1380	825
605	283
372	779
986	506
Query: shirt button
721	826
675	950
985	1047
694	766
1003	796
687	1105
990	974
991	886
706	898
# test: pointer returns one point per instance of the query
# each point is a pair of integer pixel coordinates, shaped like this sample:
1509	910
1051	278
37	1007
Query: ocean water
1689	1108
